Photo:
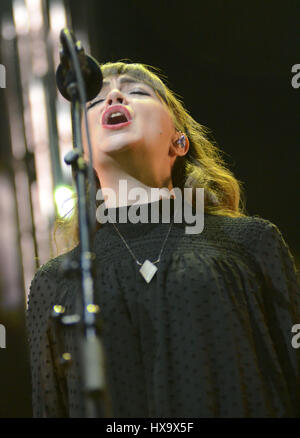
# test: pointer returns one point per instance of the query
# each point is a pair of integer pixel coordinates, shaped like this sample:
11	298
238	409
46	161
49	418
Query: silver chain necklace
148	269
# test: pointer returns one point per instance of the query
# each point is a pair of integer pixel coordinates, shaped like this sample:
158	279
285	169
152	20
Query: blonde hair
203	166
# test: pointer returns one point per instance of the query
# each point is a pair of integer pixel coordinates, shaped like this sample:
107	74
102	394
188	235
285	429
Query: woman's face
130	124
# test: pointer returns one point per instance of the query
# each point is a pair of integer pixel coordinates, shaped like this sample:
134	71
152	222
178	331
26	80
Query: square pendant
148	270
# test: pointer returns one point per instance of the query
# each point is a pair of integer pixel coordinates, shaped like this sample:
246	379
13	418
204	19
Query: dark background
231	62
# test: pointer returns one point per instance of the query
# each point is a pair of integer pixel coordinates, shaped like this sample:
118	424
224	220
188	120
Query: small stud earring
181	141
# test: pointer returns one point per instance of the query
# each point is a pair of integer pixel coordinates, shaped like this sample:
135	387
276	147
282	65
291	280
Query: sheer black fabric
209	336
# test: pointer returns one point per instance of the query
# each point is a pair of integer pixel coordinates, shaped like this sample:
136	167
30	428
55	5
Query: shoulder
45	285
261	238
52	269
246	230
256	235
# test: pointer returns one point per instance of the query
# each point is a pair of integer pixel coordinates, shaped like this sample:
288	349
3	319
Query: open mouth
116	117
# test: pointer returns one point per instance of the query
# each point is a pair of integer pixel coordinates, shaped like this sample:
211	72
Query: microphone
65	73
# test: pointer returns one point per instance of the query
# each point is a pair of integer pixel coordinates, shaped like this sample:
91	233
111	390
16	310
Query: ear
180	145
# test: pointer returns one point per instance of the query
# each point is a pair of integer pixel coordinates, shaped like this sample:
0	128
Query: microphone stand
91	351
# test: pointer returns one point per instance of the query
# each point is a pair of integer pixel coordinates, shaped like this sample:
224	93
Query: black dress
209	336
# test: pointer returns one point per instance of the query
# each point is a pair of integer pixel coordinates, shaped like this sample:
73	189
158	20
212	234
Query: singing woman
208	332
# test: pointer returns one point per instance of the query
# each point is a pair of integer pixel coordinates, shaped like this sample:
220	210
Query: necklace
148	269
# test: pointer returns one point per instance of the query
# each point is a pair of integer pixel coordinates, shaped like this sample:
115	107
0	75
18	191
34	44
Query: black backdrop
231	62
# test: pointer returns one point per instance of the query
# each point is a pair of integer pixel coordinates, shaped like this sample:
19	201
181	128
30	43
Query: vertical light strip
10	274
37	36
41	147
35	13
31	45
21	18
58	21
25	224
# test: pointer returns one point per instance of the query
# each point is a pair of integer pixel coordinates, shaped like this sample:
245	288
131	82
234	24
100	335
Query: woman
206	334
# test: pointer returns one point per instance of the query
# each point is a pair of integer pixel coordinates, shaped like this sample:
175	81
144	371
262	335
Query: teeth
116	117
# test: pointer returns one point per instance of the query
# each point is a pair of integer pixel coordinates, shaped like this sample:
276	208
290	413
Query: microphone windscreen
92	77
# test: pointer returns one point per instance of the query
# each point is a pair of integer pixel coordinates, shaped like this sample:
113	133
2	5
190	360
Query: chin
114	147
119	142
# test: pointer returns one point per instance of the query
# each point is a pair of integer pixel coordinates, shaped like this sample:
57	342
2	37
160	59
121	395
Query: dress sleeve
47	397
281	298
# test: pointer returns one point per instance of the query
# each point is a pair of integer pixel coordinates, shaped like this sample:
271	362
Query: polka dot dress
209	336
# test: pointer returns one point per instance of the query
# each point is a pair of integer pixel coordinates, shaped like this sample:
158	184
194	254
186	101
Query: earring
181	141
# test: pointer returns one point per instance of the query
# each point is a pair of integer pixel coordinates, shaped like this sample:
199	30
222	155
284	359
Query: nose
115	96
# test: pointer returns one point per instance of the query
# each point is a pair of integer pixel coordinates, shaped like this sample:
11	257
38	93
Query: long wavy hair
203	166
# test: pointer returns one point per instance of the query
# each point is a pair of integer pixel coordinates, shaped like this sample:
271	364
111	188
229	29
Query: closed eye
102	100
140	92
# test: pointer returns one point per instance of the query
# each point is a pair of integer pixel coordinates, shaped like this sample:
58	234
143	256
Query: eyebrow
122	80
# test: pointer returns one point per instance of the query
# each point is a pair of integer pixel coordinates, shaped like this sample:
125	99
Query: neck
120	188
